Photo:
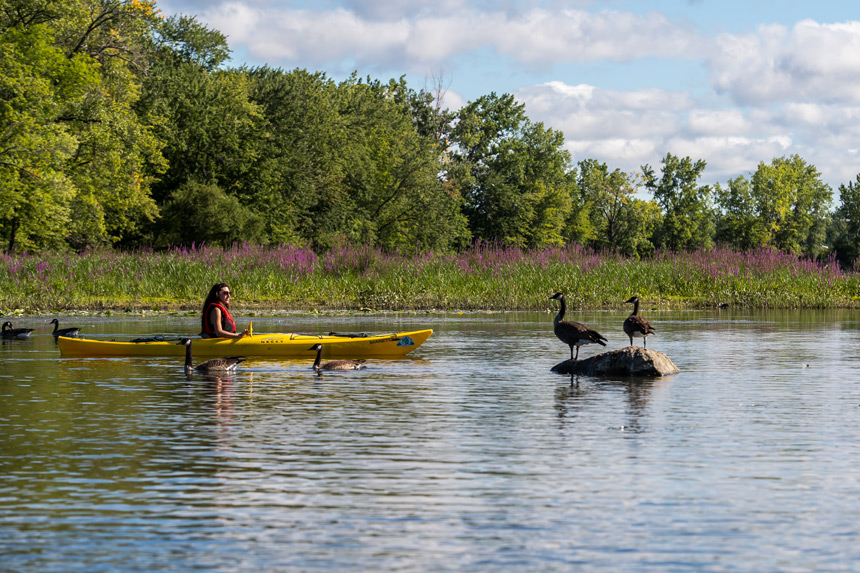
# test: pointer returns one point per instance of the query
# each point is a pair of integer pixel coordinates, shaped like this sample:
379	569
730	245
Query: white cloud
237	20
580	36
625	153
729	156
810	61
629	129
825	49
452	100
536	37
723	122
395	9
589	113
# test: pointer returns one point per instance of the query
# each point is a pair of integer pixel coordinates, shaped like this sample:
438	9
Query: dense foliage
121	127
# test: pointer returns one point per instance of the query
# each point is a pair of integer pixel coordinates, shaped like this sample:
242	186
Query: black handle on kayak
154	339
349	334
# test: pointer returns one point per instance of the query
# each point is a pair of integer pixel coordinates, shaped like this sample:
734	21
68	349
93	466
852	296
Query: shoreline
264	310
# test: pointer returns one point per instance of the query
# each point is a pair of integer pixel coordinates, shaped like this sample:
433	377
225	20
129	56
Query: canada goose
334	364
637	326
573	333
20	333
72	331
227	364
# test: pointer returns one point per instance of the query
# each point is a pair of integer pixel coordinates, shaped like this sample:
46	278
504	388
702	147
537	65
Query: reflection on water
468	455
576	397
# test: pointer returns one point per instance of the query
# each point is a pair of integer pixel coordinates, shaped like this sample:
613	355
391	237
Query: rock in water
630	361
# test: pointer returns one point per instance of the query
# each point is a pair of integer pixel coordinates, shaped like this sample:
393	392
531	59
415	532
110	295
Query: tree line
121	127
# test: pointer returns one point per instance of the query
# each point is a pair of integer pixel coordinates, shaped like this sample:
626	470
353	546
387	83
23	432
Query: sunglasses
224	292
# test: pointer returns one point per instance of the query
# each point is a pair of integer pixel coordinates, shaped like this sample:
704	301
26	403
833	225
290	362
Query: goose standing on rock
213	366
69	332
637	326
334	364
573	333
10	333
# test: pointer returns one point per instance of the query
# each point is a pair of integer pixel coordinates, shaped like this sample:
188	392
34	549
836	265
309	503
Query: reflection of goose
213	365
71	331
334	364
573	333
637	326
20	333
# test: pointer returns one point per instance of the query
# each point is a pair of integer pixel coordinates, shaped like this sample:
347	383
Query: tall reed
485	276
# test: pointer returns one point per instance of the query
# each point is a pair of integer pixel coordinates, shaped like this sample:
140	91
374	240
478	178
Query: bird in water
637	326
71	331
334	364
573	333
10	333
212	366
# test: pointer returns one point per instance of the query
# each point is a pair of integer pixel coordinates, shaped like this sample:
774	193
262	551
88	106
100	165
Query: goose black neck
635	307
562	308
318	359
188	356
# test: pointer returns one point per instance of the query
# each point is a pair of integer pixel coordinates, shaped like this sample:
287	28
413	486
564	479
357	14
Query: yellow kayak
279	344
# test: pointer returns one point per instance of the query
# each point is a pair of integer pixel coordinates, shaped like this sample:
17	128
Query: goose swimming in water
68	332
214	365
637	326
334	364
10	333
573	333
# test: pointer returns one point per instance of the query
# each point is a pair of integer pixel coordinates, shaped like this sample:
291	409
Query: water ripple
470	455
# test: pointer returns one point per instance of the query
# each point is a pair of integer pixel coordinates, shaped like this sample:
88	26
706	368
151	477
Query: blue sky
734	83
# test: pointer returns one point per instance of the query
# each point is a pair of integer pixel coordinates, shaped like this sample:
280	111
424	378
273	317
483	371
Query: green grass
485	277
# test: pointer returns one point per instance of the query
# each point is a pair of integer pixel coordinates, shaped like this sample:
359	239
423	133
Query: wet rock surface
630	361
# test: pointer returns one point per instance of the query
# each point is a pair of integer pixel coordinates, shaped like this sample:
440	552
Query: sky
733	82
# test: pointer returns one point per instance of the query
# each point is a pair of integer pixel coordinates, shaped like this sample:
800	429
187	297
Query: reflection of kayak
335	345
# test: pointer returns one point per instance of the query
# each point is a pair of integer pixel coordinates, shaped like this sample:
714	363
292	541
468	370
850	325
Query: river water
468	454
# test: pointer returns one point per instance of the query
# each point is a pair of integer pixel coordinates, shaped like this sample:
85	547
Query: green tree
78	159
182	39
688	218
391	168
117	156
791	205
34	190
299	170
618	219
579	225
210	128
203	213
846	224
640	219
738	223
514	175
356	161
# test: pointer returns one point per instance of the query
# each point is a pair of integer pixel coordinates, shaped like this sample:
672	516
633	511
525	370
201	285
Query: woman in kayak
217	322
